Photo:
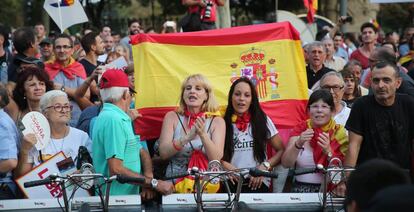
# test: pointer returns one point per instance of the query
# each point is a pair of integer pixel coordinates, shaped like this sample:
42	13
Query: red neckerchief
242	121
192	117
70	71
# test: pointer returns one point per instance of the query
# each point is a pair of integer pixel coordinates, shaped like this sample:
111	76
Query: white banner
49	190
65	13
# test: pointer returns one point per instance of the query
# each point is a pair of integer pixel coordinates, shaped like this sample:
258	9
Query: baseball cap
45	41
114	78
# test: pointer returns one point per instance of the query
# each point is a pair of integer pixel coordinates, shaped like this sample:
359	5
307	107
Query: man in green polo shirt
116	149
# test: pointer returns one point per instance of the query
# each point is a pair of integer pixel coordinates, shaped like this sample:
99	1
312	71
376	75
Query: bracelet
178	148
299	147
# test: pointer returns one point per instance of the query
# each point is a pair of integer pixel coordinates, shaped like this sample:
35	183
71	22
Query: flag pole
60	17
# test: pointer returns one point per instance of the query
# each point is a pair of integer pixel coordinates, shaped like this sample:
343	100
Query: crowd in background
360	108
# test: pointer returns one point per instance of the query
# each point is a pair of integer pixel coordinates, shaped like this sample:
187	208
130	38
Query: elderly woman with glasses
315	142
56	107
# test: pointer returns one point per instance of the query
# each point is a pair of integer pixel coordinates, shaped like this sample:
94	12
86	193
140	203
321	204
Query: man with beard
381	125
315	69
134	28
93	45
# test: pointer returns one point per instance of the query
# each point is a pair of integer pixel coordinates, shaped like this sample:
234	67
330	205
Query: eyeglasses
335	88
320	107
59	108
65	47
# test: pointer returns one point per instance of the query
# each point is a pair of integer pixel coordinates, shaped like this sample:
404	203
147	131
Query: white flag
65	13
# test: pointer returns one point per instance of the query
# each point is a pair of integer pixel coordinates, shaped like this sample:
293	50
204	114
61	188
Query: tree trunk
331	10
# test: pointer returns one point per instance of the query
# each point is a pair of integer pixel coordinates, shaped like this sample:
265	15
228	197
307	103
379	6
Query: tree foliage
95	9
395	17
10	13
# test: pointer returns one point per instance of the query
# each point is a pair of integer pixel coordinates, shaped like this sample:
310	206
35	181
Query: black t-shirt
315	77
387	131
89	67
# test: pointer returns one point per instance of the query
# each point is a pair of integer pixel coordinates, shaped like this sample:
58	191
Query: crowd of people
359	109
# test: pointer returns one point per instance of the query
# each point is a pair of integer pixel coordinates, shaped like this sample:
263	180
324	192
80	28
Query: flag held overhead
268	54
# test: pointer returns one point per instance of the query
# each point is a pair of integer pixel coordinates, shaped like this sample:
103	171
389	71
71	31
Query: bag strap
182	125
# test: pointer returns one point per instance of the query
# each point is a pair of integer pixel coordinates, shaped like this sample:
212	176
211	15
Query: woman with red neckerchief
315	141
188	128
248	131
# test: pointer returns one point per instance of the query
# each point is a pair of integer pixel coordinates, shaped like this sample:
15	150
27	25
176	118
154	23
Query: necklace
63	142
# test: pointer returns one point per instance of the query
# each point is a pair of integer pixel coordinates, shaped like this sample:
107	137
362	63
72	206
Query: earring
24	97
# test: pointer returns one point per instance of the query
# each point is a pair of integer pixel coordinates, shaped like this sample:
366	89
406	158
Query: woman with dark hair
32	82
315	142
352	91
248	131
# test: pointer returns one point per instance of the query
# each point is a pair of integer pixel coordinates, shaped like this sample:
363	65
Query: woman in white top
56	107
248	131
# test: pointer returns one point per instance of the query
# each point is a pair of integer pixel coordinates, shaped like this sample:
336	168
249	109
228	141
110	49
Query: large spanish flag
269	54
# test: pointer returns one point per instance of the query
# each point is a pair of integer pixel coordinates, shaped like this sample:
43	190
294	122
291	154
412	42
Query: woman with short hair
56	107
315	141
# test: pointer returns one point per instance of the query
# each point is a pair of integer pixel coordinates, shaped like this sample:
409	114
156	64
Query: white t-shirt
69	145
243	156
341	117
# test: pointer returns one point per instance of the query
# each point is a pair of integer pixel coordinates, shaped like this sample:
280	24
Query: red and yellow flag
269	54
312	6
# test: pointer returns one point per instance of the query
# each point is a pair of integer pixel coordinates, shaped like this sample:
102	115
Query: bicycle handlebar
34	183
127	179
260	173
254	172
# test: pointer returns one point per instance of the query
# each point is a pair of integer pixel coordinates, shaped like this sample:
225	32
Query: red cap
114	78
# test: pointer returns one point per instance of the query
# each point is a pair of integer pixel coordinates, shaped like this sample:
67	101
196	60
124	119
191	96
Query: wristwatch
154	183
266	164
62	88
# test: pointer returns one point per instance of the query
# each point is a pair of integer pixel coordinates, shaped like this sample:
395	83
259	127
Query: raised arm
168	146
215	146
295	145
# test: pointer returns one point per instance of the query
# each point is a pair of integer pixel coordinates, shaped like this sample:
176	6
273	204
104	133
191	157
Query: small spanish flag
312	6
